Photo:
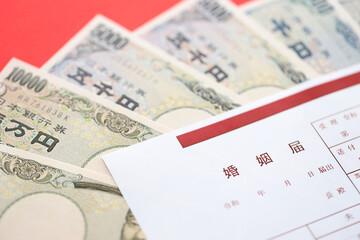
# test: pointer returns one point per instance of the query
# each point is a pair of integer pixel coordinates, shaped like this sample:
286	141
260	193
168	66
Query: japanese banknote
104	58
315	30
107	89
352	7
42	114
212	38
43	199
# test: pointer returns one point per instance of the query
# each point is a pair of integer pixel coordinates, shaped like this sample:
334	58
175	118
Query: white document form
284	168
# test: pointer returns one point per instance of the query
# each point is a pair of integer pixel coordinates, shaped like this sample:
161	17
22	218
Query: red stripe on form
243	119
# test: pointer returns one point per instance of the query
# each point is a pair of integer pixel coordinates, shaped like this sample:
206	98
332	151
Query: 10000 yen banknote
209	36
314	30
104	58
41	114
43	199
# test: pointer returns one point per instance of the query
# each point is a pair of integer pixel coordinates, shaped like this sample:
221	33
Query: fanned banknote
315	30
210	36
44	115
104	58
43	199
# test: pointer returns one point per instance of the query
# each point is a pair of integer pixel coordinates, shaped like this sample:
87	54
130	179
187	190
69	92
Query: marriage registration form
287	167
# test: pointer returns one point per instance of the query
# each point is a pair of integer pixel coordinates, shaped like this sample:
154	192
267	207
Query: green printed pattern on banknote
353	8
40	116
313	30
207	36
44	202
105	60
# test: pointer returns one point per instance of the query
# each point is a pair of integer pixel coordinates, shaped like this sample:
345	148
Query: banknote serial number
27	79
35	104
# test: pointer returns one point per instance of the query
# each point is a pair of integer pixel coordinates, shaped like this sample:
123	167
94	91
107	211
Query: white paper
309	189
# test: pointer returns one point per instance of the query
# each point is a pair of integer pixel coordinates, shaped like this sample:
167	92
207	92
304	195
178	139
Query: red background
33	30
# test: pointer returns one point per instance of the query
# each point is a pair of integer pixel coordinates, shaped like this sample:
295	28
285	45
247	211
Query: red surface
33	30
257	114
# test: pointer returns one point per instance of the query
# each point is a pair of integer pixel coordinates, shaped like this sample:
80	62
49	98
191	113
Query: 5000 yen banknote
209	36
41	114
351	7
106	59
314	30
44	199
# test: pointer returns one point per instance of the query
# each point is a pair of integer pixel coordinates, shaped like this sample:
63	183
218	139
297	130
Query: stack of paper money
109	88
